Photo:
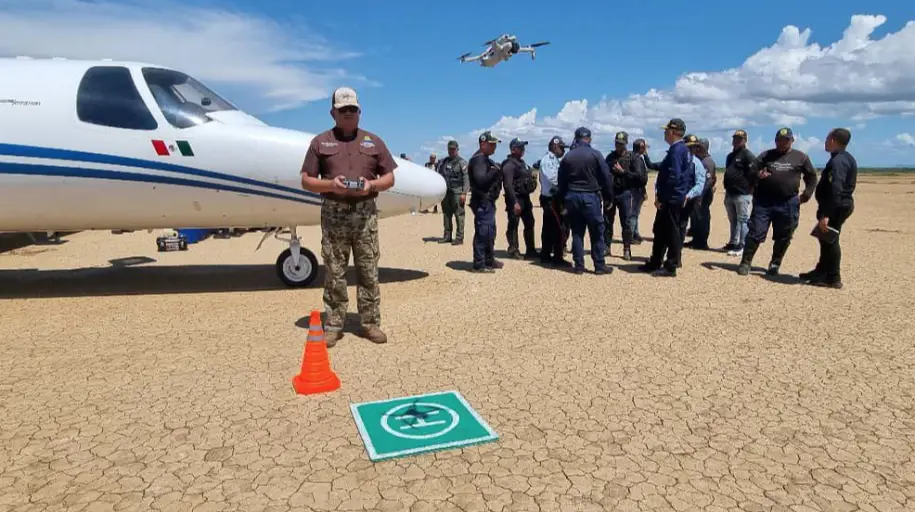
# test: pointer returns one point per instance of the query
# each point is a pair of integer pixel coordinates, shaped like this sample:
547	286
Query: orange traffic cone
316	375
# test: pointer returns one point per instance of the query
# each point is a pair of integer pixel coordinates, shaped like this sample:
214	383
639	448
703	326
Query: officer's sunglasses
348	110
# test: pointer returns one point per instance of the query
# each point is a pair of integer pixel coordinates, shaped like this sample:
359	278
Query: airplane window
184	101
107	96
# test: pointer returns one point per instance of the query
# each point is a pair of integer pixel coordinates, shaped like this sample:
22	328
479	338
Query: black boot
446	239
778	254
747	259
627	252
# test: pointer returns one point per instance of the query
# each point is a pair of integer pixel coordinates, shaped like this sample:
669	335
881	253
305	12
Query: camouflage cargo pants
347	227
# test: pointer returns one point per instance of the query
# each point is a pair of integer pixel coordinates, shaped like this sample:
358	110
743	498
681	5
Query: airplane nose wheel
297	274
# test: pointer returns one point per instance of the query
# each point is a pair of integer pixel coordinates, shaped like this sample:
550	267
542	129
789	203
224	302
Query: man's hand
367	188
764	173
463	199
824	224
617	169
657	204
517	209
339	183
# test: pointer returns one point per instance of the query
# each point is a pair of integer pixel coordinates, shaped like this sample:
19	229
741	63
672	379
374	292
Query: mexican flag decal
179	146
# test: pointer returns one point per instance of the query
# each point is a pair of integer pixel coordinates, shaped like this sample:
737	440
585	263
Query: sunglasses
348	110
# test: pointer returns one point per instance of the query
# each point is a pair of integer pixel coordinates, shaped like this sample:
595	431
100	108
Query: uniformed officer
485	188
673	183
454	169
519	183
552	235
835	204
701	218
639	194
775	199
349	217
694	195
584	179
620	162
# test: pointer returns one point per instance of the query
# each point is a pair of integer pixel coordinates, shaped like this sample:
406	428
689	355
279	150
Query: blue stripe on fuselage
101	158
83	172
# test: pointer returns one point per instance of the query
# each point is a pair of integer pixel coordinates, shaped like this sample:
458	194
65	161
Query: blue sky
281	59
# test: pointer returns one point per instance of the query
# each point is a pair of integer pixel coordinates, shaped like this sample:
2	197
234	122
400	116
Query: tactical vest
523	180
451	171
489	194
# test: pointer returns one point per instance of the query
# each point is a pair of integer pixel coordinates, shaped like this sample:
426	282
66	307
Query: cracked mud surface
623	392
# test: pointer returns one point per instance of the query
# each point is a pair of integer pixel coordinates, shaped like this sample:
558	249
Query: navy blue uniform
835	201
517	180
675	178
776	203
583	176
485	188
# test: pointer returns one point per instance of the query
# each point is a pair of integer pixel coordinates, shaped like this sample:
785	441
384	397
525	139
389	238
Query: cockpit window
107	96
184	101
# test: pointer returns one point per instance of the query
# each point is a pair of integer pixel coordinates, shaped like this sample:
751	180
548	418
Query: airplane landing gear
297	266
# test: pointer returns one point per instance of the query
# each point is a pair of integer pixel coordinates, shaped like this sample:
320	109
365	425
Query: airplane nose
419	182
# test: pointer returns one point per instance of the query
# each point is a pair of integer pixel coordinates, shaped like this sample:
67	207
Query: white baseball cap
345	97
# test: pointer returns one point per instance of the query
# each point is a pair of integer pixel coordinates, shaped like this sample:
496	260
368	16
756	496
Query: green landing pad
418	424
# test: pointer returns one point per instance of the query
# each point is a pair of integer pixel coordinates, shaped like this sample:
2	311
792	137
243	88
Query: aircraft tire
297	278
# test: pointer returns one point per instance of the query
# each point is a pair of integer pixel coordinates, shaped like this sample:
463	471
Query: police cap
622	138
517	143
741	134
582	133
557	140
691	140
487	136
675	124
784	133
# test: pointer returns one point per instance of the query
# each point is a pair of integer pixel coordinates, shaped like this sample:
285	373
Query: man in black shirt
775	199
519	183
738	194
701	217
835	204
583	179
485	188
640	166
620	163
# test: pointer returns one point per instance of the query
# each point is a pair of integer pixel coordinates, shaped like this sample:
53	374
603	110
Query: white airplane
502	49
125	146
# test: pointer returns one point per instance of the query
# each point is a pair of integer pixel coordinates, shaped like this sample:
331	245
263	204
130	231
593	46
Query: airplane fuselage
107	145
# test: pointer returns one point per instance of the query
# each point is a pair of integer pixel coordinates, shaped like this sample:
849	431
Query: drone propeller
462	57
542	43
487	43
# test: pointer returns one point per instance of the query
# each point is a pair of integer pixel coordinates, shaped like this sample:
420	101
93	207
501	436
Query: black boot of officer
779	248
749	251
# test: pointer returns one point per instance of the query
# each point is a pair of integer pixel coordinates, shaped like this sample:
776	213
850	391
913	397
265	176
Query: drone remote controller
355	184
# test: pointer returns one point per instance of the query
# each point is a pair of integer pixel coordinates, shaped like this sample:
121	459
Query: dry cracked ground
137	380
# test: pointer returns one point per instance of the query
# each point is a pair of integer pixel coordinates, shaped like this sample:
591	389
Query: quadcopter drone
501	49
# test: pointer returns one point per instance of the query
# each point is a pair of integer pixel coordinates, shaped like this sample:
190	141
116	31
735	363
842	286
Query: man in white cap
349	166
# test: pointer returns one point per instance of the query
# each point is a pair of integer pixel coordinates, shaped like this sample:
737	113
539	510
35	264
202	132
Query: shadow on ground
351	323
123	279
34	243
760	271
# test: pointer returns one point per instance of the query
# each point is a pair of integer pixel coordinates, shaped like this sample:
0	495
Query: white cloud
855	78
239	51
906	139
